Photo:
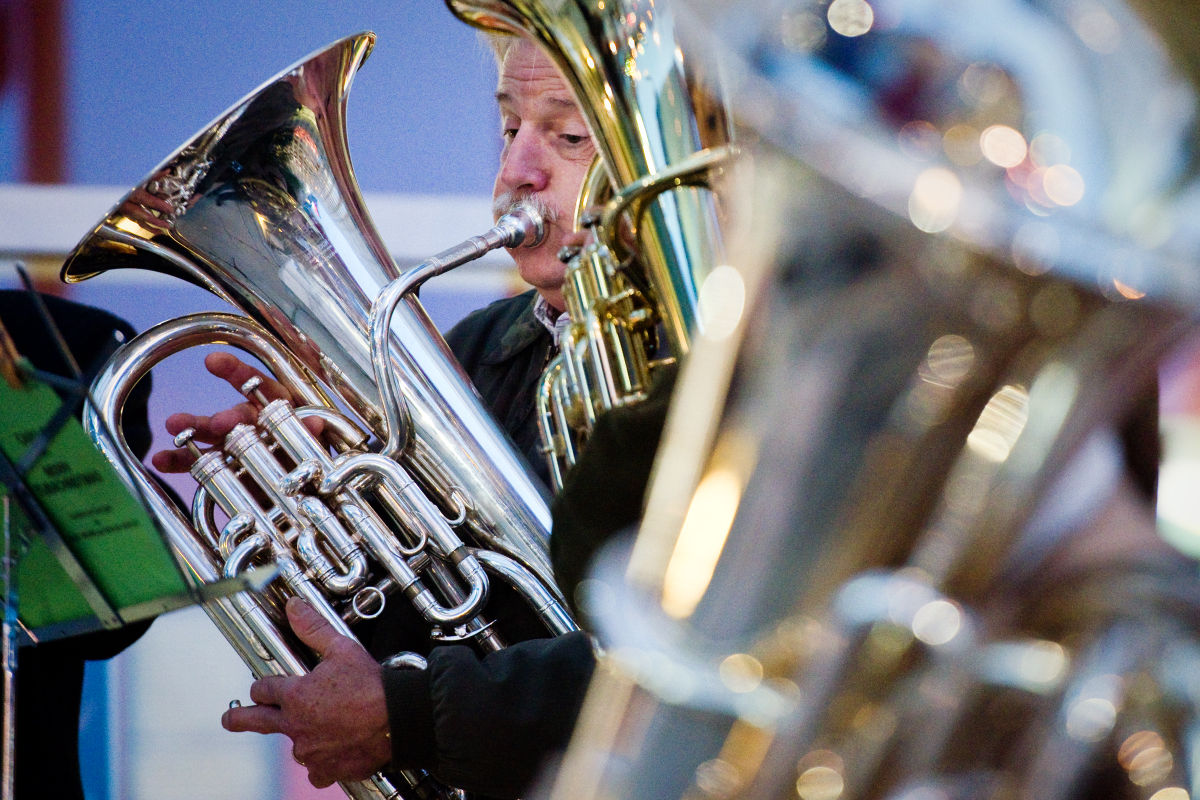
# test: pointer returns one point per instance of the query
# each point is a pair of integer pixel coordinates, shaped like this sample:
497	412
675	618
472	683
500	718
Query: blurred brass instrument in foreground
891	548
411	489
662	137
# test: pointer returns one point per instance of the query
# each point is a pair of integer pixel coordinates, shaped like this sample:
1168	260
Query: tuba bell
411	488
663	140
890	548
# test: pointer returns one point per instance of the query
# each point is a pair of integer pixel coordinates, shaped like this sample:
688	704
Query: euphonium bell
411	492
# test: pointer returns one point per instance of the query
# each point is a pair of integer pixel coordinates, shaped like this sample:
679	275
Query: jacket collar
524	332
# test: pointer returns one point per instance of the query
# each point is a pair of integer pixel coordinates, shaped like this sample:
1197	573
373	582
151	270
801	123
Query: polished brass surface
658	123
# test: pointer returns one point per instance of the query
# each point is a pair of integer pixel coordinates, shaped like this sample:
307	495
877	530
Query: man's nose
524	165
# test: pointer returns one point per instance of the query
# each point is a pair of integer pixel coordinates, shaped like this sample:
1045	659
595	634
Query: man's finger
172	460
269	691
312	628
255	719
222	422
229	367
319	779
182	420
212	430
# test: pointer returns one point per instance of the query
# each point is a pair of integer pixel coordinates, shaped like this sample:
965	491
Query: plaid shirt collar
554	320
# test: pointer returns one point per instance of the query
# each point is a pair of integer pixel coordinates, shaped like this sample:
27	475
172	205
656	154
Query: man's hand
213	430
336	716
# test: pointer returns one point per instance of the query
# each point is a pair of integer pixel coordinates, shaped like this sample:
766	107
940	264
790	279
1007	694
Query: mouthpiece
522	225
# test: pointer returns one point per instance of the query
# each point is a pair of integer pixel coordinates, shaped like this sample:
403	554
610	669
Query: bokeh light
850	17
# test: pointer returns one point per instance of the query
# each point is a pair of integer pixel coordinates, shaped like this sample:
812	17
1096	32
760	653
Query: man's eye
571	138
509	133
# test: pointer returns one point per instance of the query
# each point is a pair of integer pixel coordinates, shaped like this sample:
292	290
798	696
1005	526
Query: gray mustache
507	201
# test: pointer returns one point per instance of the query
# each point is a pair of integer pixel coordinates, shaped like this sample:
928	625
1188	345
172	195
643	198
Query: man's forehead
548	103
529	79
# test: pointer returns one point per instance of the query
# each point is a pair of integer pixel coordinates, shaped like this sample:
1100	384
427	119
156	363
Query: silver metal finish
647	108
265	213
268	217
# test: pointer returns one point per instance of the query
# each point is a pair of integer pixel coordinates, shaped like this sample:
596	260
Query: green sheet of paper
109	532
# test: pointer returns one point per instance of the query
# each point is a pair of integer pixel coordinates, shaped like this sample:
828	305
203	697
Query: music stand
93	558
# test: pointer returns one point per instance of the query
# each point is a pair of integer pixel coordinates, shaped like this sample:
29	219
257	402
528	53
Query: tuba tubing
269	218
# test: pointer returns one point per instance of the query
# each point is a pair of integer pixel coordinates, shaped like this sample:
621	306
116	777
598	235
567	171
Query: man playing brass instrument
481	724
486	724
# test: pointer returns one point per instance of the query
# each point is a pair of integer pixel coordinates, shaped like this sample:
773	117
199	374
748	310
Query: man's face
547	151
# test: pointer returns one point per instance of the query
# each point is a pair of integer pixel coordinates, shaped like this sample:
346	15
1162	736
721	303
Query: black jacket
50	676
504	350
488	724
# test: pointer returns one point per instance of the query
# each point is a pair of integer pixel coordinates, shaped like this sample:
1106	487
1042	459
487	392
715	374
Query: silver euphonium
661	132
411	488
890	550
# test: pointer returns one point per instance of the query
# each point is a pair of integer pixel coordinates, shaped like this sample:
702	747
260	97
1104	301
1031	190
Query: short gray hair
499	43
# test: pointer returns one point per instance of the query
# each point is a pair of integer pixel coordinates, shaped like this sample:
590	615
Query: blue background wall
144	76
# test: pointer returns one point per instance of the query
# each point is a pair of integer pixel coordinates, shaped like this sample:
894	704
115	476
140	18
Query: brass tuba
411	487
890	549
659	125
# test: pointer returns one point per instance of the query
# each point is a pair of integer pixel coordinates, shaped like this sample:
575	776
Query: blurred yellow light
722	302
1179	475
1127	291
132	226
1091	719
1043	662
718	778
1152	765
1137	743
950	359
1000	424
820	783
701	539
741	672
1171	793
820	758
850	17
1063	184
1003	146
961	145
937	622
934	203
